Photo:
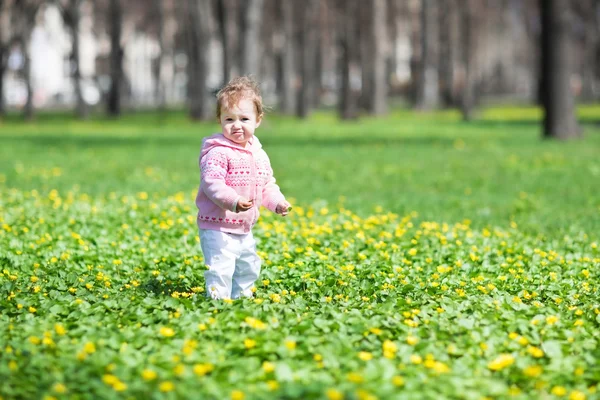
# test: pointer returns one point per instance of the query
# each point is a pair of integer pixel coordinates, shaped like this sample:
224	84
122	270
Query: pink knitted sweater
229	171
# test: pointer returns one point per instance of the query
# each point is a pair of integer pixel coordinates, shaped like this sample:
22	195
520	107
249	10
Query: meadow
424	258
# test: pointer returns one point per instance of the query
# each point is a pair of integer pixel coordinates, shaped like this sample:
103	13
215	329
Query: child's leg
220	252
247	268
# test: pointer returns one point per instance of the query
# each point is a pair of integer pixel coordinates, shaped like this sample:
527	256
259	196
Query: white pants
232	262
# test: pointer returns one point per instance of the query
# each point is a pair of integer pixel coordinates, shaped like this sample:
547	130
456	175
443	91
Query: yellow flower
397	380
576	395
237	395
59	388
290	344
365	355
535	351
558	391
355	377
272	385
203	369
389	349
501	362
166	332
334	394
148	375
166	386
412	340
89	348
551	320
533	371
416	359
249	343
268	366
60	330
32	309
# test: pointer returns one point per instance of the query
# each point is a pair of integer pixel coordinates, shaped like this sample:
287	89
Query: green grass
492	170
424	258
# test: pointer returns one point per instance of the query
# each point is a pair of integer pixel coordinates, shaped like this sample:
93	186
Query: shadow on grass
159	287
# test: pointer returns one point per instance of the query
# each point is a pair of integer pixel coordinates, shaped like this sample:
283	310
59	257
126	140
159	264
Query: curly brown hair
241	87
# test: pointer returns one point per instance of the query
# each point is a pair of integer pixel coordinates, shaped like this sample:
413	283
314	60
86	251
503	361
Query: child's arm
213	167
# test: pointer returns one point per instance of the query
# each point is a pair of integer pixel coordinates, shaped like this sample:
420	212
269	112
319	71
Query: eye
228	119
245	119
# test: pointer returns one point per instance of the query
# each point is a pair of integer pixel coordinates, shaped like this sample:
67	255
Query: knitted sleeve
213	169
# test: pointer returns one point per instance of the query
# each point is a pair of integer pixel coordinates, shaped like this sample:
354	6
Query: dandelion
268	367
249	343
365	355
334	394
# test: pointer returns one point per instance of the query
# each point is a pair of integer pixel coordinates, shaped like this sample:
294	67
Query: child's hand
283	208
244	205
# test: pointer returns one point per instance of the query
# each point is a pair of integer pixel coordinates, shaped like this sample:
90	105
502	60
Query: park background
442	157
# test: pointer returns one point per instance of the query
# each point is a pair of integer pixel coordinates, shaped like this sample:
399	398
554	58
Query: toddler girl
236	179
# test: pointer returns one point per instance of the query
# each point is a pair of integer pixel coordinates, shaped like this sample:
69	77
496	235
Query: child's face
239	122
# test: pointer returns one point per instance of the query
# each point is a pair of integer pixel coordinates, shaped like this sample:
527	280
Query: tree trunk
365	44
348	98
2	69
446	56
559	119
590	48
250	36
467	101
427	89
74	17
380	40
308	42
228	28
288	70
198	36
28	111
159	87
3	61
116	59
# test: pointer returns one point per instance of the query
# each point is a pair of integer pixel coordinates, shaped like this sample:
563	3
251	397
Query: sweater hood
219	140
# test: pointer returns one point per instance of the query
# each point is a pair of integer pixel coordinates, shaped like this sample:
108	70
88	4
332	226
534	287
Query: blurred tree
159	87
427	96
467	34
308	43
447	44
70	10
558	102
287	93
4	45
374	45
251	20
589	13
227	11
115	22
199	13
347	12
25	12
